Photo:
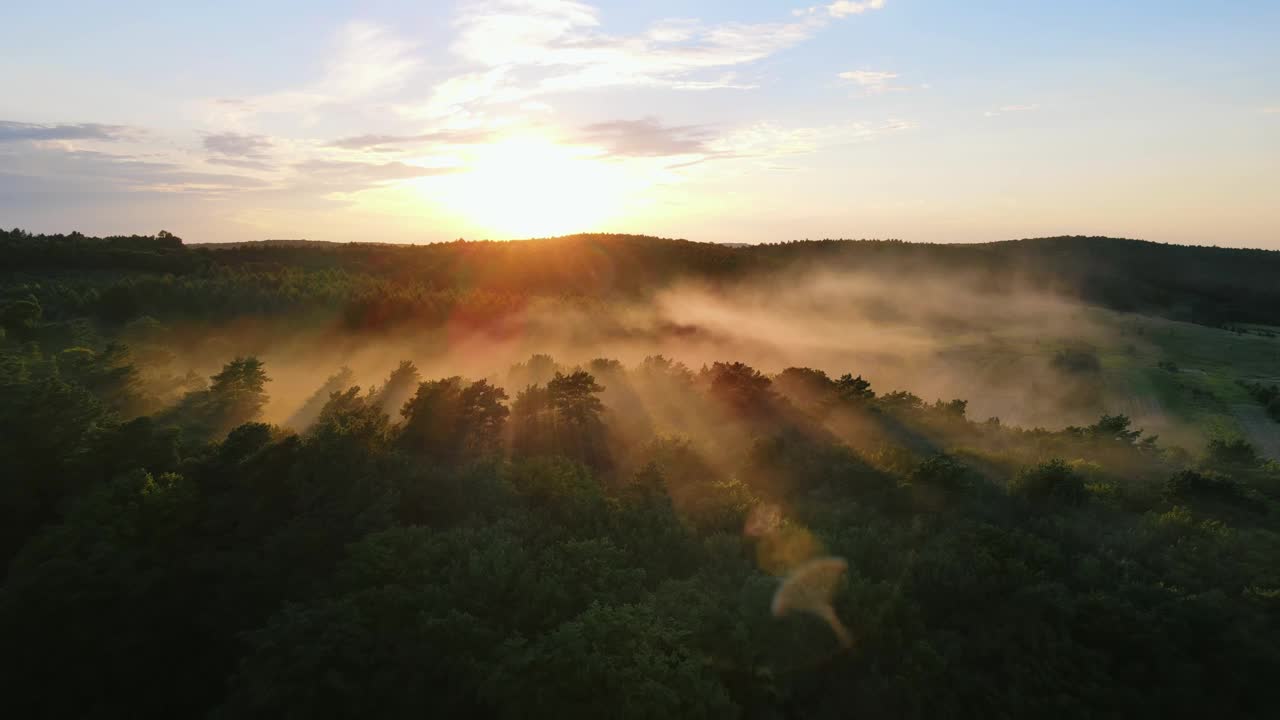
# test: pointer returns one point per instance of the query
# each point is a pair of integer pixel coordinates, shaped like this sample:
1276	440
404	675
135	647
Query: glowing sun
529	186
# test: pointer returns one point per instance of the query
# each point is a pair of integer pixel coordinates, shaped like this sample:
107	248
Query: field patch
1259	429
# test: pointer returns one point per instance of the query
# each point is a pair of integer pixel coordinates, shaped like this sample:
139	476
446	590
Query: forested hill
246	482
1203	284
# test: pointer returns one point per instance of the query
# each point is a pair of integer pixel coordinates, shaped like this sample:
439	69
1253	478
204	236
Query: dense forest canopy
192	530
1202	284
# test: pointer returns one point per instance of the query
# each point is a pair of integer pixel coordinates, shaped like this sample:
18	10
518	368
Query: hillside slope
1208	285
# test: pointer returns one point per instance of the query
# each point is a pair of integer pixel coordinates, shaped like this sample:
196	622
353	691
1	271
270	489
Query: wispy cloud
237	145
872	82
17	132
510	53
768	140
115	172
242	163
389	142
367	61
843	8
139	160
681	146
1007	109
521	48
646	137
353	175
561	41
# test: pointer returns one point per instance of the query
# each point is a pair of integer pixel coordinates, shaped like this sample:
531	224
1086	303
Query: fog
935	335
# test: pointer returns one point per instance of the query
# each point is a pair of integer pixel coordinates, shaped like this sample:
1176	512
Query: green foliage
740	388
562	418
1235	452
1211	285
47	427
1267	395
607	542
813	390
945	472
399	387
573	397
118	304
854	389
559	490
20	318
1190	486
1054	480
451	419
899	401
952	408
235	396
537	370
805	386
1114	427
624	661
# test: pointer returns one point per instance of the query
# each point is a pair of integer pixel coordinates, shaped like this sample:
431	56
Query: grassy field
1178	380
1182	380
1259	429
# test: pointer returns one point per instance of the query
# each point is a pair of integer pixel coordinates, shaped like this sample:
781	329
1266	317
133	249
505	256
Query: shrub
943	471
1208	485
1054	480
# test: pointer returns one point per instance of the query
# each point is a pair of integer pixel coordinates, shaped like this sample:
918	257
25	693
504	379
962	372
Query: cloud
18	132
522	48
843	8
872	81
504	51
111	172
1273	110
367	61
242	163
350	175
237	145
689	145
437	137
1012	109
673	30
511	52
767	140
646	137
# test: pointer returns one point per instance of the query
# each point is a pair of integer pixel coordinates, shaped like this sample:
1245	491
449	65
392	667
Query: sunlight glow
529	186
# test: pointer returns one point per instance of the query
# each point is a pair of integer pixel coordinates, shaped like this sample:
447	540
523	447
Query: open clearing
1259	429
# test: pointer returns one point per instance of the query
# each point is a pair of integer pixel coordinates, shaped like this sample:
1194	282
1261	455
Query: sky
725	121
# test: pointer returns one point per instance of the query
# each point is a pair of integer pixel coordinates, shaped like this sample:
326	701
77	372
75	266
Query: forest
480	479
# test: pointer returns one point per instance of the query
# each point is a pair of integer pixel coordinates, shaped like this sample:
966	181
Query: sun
530	186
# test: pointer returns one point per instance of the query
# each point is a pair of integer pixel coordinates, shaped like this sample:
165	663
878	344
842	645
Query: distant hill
1208	285
278	242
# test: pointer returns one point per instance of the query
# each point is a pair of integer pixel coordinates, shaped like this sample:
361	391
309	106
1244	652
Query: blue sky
722	121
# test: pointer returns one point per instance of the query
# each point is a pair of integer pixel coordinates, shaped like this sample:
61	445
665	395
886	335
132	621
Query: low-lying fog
942	337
